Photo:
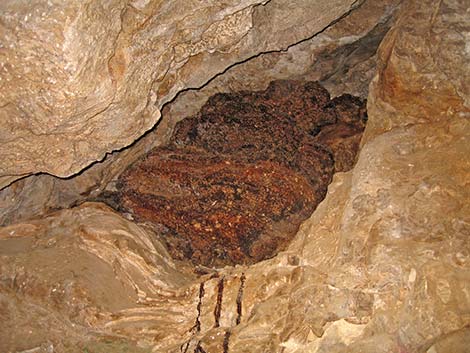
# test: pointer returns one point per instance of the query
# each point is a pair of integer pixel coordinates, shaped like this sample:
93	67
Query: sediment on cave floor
236	180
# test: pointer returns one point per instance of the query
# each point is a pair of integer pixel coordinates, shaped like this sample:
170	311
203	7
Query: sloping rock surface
383	265
83	78
342	57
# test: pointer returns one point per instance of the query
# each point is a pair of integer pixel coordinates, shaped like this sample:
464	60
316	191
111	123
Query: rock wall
423	68
342	57
82	79
382	265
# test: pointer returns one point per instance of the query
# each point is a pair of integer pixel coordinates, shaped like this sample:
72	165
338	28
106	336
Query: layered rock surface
81	79
382	265
342	57
238	178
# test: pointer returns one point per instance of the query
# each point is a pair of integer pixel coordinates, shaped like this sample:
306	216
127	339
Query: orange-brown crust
237	179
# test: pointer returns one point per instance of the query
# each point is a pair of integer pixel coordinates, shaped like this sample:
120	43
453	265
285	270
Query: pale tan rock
81	79
78	270
402	284
457	342
383	265
343	57
423	67
37	195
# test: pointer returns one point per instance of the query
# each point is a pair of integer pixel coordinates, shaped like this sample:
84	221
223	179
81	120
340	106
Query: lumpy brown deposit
236	180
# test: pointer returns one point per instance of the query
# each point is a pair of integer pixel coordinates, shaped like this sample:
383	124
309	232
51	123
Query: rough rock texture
342	58
216	210
57	288
425	56
83	78
383	265
238	178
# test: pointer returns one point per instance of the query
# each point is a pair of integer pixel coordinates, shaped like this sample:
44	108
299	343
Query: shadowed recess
238	178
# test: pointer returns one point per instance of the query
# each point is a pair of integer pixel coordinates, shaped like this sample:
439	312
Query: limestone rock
81	79
423	66
383	265
342	57
388	246
66	276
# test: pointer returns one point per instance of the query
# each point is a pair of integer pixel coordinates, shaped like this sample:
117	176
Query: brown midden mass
237	179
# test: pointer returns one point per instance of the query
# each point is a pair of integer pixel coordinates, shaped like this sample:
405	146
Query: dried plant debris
237	179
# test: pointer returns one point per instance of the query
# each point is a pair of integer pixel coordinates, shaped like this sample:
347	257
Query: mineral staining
237	179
